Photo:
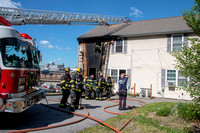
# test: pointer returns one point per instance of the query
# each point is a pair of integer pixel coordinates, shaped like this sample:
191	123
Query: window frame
172	44
116	46
176	79
118	75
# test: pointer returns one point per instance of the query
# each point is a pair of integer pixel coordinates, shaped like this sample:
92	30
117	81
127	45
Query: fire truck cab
19	70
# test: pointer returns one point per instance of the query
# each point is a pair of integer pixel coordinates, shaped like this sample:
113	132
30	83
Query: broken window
98	47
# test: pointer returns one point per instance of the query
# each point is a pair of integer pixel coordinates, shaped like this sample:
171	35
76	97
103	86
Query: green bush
189	111
163	111
137	94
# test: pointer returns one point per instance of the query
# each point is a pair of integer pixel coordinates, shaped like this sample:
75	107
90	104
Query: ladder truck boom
19	16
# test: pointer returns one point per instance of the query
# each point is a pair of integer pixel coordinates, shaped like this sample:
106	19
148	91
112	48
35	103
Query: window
177	42
116	73
174	78
16	53
181	79
98	47
120	46
121	71
171	75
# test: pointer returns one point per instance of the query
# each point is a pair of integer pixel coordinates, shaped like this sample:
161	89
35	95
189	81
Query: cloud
135	12
10	3
59	48
46	44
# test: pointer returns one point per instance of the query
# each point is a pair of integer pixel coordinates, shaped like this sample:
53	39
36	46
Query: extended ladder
19	16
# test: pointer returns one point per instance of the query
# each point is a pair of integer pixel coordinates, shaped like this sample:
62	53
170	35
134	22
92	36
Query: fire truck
19	70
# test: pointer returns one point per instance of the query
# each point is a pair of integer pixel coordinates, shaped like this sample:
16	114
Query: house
141	49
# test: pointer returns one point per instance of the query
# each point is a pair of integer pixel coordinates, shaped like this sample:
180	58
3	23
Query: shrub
163	111
189	111
137	94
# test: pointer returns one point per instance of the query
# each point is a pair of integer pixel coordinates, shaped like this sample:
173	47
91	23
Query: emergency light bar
26	36
5	22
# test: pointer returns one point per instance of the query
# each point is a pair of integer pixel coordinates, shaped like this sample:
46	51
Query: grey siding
129	80
113	49
163	73
169	43
125	45
185	40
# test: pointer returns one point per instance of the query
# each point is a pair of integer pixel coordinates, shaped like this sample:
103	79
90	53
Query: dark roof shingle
141	28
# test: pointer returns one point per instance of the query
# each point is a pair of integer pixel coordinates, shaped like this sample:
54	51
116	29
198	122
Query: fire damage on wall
94	56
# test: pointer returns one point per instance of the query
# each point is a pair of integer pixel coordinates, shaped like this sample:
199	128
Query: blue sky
59	42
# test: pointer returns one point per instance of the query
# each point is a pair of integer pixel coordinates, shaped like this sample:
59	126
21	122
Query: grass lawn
146	121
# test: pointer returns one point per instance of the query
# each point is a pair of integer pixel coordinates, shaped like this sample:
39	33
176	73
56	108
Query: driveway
40	116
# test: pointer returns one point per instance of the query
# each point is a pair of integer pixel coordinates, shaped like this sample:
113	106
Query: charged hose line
58	125
135	112
84	117
103	123
53	126
116	101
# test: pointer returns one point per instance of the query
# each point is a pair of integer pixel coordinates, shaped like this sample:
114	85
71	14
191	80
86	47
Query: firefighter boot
62	106
72	108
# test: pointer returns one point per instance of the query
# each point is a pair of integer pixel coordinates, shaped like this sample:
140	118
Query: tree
188	59
192	17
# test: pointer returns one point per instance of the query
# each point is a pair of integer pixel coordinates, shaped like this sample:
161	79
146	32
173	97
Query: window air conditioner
171	84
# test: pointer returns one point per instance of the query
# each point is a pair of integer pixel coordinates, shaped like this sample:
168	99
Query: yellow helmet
67	69
79	69
108	76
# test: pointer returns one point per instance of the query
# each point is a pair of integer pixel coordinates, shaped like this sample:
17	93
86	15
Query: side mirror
39	56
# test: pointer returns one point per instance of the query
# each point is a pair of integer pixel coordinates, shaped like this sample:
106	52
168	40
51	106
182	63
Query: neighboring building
141	49
51	73
53	67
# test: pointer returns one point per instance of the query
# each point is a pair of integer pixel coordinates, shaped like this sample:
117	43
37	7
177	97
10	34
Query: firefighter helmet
79	69
67	69
108	76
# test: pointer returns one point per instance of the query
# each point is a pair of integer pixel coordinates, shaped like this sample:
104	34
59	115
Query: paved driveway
39	116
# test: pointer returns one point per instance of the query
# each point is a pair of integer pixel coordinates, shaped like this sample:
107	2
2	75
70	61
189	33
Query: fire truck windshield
16	53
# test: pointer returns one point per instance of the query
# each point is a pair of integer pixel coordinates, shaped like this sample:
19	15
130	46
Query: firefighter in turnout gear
100	84
65	84
77	89
88	86
109	86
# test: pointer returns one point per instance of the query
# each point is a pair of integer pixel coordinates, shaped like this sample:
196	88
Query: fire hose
85	116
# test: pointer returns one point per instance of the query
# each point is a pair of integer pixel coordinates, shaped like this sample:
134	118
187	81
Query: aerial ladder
18	16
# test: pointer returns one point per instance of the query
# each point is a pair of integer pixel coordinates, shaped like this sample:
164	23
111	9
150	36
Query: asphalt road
40	116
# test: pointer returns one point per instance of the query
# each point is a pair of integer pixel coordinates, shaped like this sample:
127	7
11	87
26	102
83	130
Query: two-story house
141	49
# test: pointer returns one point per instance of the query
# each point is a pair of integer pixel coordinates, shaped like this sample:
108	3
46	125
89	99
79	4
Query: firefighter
65	85
76	89
100	84
88	85
109	86
123	91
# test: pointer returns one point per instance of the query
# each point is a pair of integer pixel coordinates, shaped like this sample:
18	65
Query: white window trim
172	40
118	72
122	46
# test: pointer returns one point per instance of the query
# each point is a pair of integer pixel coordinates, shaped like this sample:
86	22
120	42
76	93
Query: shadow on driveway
34	117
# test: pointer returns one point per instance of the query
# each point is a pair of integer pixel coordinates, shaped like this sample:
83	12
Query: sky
59	43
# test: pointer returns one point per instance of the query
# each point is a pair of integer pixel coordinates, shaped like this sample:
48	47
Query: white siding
146	56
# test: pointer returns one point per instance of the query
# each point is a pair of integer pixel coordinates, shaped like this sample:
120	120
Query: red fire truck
19	70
